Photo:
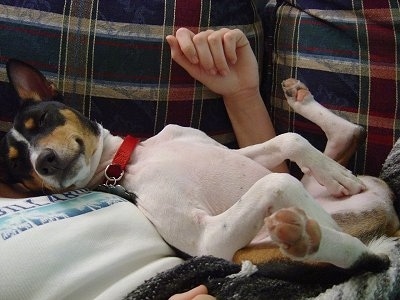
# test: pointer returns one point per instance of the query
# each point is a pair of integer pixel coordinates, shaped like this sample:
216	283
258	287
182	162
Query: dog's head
50	146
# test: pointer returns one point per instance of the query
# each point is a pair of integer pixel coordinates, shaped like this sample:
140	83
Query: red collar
116	169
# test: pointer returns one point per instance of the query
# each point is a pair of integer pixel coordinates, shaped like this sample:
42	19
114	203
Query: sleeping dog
203	198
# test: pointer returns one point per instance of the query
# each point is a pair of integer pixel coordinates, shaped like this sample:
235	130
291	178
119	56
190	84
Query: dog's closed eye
42	119
36	123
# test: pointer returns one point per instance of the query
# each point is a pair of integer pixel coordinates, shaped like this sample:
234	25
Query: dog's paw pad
296	234
295	90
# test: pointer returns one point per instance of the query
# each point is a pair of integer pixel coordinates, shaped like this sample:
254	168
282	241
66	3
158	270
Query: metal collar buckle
113	174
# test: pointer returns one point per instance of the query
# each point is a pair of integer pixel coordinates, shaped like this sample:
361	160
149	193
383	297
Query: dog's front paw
296	234
338	180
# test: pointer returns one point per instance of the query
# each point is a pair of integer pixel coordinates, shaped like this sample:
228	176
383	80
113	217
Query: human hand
198	293
222	60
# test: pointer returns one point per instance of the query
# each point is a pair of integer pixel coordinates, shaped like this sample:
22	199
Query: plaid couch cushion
110	59
347	53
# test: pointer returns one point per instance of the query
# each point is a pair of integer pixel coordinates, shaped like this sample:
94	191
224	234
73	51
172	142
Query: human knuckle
198	38
213	39
181	32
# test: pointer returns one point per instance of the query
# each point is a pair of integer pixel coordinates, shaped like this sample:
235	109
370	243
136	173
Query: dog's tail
383	244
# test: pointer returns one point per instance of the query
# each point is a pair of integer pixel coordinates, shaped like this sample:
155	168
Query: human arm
224	62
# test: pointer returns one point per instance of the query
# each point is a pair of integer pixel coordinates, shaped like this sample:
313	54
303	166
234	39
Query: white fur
206	199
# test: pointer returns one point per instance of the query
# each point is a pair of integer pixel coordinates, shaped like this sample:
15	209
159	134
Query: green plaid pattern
110	60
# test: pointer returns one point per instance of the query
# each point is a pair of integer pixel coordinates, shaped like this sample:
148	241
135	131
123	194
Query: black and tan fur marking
42	123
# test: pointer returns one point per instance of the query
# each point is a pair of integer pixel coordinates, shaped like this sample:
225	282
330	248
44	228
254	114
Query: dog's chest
189	170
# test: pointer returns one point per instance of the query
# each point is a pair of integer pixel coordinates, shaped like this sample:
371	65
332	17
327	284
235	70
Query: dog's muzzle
49	163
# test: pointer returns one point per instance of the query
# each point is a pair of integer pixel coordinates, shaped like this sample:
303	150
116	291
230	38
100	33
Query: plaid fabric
347	53
110	60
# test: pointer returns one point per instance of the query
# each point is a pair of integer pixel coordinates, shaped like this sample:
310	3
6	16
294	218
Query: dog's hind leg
316	236
302	238
343	136
245	220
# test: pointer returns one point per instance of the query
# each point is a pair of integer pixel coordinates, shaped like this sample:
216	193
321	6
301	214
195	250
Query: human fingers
204	297
185	40
232	40
176	53
216	46
204	54
191	294
217	49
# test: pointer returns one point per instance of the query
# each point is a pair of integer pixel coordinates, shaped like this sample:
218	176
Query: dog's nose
47	162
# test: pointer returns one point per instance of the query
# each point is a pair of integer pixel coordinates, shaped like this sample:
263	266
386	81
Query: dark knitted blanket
226	280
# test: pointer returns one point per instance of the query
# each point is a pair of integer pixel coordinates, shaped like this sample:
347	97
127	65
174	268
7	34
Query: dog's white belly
178	180
206	199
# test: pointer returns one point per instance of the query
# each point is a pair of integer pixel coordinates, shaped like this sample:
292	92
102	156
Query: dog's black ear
29	83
